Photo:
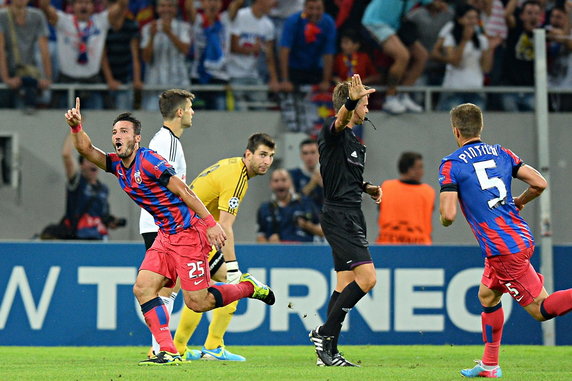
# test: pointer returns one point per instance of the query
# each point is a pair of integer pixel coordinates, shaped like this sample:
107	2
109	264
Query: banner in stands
81	294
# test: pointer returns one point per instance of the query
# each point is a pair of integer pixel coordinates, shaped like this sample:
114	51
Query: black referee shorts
345	229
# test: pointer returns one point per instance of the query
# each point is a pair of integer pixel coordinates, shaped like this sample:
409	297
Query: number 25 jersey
481	174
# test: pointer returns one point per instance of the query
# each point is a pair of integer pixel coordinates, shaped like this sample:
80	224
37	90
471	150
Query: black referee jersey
342	160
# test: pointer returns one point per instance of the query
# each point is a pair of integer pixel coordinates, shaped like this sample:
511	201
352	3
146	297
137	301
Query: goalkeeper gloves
233	274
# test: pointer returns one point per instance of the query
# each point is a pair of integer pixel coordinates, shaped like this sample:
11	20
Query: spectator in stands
352	61
398	39
288	217
80	42
165	42
142	11
492	15
493	21
22	29
307	179
559	49
468	56
211	30
431	18
407	205
281	11
87	208
122	66
252	33
307	48
518	64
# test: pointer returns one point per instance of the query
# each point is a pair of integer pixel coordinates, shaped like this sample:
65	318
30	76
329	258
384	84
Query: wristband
350	104
75	129
209	221
232	266
364	186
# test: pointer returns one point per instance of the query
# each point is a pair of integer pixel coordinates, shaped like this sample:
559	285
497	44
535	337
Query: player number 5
490	182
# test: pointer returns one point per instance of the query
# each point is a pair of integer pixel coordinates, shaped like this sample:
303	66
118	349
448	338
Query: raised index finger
77	103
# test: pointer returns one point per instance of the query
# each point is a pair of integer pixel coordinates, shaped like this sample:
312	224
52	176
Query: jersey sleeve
514	160
447	179
111	160
155	166
262	229
288	32
330	27
328	130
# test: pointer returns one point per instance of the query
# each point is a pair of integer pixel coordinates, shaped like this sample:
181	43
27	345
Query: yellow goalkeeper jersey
222	186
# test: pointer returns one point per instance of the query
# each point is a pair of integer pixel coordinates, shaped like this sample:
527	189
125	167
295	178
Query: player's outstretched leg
163	358
481	370
261	291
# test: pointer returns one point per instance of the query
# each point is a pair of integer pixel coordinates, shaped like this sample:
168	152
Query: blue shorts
381	32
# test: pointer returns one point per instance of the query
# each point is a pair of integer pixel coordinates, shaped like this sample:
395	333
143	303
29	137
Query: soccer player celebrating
186	231
342	160
479	176
221	187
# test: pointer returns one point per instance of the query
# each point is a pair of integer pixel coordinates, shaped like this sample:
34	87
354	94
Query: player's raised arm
536	185
81	140
215	233
356	91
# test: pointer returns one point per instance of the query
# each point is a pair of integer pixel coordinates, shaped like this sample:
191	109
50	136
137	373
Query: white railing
427	91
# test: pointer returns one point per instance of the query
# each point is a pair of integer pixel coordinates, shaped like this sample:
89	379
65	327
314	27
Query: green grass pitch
529	363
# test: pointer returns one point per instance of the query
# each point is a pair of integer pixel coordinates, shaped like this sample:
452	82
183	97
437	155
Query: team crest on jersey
137	176
233	202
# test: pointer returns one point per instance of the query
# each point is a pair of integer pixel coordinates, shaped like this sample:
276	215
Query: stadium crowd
147	45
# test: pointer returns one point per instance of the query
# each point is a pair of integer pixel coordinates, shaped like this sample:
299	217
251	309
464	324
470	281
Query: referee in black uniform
342	159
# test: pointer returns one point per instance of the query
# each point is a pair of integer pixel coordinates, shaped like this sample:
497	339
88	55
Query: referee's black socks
347	299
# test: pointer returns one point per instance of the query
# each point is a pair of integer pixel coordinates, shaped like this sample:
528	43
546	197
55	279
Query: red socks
492	319
157	319
227	293
557	304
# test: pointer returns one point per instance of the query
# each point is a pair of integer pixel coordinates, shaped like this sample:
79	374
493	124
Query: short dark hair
530	2
258	139
559	7
407	160
127	116
172	100
351	35
307	141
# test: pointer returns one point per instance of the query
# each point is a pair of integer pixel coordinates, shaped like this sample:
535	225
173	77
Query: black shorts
345	229
215	260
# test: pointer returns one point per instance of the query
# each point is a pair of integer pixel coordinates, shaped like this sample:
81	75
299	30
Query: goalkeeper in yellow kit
221	187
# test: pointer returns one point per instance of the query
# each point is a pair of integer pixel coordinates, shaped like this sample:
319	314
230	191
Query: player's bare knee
193	305
488	299
138	291
367	284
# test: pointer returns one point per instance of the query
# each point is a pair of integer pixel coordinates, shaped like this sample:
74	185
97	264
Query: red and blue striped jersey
145	181
481	174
